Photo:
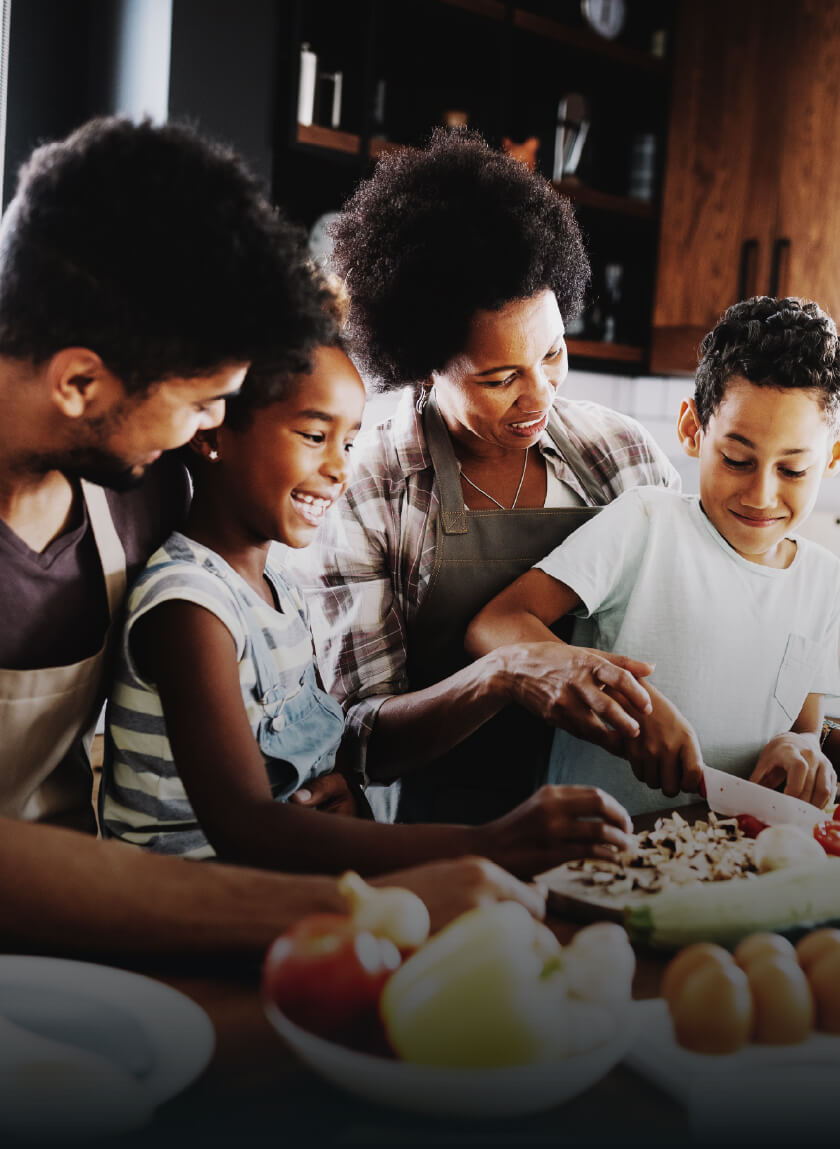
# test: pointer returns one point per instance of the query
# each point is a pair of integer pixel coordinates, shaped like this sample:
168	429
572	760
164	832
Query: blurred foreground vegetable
495	988
326	972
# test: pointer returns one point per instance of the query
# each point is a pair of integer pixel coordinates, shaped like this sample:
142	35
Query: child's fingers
620	680
635	666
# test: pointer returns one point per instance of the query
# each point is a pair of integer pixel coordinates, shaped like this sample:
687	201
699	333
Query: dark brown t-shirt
53	607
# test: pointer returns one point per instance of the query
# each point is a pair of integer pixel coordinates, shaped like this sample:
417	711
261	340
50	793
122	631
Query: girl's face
497	394
291	463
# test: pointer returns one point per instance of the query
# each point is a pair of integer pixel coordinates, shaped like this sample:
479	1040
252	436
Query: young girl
220	738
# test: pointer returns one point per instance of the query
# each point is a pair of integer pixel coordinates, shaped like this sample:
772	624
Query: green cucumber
725	912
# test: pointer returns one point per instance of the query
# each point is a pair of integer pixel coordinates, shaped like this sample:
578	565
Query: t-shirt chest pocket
793	682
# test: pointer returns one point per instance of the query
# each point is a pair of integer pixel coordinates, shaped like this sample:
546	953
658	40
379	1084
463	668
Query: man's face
115	446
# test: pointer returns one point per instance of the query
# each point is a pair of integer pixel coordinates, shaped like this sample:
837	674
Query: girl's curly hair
771	342
442	232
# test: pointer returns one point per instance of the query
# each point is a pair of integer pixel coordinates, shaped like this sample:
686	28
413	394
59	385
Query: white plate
444	1091
178	1035
770	1090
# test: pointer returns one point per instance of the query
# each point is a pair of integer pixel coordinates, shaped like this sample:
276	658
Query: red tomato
836	814
750	825
828	836
326	975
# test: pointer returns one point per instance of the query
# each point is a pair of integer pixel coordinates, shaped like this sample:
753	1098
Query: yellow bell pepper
488	990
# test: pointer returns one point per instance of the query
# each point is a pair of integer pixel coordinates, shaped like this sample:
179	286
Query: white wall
655	402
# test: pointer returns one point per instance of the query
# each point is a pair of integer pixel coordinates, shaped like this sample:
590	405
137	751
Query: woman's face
496	395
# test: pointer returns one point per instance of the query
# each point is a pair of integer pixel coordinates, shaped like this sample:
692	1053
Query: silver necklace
481	490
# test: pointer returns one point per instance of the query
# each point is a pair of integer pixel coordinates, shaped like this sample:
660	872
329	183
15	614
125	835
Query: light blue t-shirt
738	647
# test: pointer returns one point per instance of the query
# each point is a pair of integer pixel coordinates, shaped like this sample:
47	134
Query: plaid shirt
366	575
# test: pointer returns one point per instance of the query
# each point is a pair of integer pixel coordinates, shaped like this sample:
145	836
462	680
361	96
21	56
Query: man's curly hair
156	248
774	343
442	232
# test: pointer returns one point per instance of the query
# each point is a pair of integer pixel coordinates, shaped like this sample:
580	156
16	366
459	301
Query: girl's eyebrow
323	417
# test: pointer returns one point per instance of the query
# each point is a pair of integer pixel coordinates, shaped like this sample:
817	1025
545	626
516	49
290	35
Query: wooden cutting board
569	896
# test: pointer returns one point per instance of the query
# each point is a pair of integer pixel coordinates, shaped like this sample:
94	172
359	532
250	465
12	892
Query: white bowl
454	1092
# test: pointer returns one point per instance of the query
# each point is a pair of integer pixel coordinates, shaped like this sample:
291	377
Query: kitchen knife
729	795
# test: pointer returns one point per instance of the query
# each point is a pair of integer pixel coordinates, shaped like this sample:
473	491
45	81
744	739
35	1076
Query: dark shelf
614	352
602	201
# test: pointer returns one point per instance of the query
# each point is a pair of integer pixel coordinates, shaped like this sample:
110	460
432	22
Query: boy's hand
798	761
666	755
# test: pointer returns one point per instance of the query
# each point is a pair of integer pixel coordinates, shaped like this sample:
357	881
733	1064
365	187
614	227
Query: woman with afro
461	266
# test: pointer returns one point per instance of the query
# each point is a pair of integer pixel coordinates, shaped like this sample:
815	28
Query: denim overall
300	731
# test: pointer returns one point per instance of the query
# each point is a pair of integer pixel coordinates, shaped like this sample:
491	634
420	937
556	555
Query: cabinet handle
780	250
746	274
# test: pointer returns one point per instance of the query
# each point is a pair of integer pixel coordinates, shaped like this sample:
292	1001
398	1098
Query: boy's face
762	457
292	461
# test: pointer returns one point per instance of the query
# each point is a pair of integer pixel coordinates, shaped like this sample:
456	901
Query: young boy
740	616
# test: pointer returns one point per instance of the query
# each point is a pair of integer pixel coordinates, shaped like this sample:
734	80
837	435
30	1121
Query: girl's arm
190	655
796	759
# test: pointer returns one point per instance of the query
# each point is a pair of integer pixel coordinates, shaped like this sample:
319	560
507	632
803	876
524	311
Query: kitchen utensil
730	796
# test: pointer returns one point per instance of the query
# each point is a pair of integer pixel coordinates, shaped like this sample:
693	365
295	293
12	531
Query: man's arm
62	892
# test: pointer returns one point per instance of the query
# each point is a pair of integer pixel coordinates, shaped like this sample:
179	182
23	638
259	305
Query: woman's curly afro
436	235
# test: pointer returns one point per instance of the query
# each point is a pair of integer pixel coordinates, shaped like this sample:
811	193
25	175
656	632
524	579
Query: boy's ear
206	444
688	428
77	378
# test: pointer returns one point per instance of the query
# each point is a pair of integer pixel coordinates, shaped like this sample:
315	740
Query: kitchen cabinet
406	67
750	203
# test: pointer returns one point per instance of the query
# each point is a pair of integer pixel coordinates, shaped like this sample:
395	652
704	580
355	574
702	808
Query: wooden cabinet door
808	225
721	178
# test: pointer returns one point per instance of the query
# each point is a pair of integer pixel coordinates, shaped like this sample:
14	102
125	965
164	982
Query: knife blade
729	795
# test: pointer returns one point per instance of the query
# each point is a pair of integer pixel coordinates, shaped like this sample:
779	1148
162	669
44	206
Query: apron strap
453	518
111	551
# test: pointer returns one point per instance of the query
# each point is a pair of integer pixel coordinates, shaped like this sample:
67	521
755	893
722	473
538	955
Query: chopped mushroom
673	853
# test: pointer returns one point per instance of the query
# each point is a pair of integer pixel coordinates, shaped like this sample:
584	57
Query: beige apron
477	554
48	716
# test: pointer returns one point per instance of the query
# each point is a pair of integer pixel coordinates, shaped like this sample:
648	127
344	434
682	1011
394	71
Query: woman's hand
590	693
798	761
554	825
666	755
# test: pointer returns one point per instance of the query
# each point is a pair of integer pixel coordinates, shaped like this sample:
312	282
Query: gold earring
423	397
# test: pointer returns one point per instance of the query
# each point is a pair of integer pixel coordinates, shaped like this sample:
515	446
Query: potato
764	944
687	960
713	1010
782	1000
824	977
812	947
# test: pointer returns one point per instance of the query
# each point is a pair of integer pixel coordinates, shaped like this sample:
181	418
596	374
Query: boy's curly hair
439	233
774	343
156	248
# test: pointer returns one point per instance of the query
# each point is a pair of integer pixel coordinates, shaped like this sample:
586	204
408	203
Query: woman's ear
206	444
688	428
